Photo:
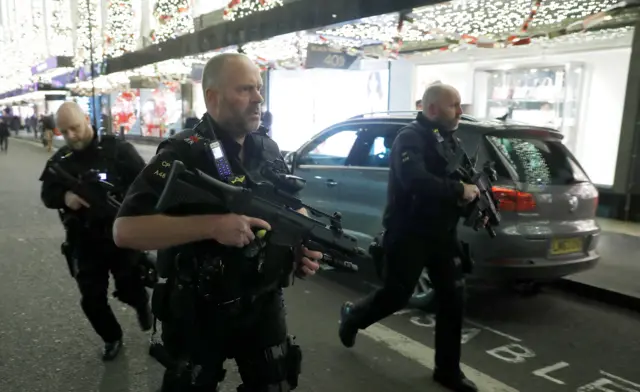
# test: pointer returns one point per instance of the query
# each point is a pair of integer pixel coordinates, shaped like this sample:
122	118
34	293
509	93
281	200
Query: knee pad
276	369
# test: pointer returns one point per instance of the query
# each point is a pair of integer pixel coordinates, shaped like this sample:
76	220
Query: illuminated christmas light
59	30
88	33
237	9
121	33
488	18
38	38
173	18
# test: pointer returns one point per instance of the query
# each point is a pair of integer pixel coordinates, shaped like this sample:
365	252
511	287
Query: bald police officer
90	250
240	313
423	209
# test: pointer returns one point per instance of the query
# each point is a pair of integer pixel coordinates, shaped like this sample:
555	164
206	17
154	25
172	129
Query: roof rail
384	112
465	117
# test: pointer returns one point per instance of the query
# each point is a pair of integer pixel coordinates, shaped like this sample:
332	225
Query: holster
67	251
465	258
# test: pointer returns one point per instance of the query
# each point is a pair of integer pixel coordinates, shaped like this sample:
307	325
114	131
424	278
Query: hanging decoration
121	35
173	18
59	37
88	33
237	9
39	47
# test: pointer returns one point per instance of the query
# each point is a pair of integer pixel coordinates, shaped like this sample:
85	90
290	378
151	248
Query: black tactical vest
230	274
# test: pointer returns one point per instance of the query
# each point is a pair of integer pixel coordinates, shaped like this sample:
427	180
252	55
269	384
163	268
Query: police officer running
215	303
89	248
423	209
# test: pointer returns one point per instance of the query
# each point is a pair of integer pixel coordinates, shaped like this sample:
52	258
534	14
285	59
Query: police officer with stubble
90	251
420	221
223	306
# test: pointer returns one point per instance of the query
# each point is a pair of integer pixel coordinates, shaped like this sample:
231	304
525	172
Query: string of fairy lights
173	18
484	23
121	36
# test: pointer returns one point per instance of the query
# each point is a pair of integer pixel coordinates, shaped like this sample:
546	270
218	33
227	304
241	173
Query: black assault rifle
104	204
264	201
486	205
96	191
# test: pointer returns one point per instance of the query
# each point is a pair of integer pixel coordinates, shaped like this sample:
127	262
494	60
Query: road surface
549	343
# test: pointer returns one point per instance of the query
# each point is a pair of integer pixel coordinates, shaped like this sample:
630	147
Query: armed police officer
424	206
89	248
216	302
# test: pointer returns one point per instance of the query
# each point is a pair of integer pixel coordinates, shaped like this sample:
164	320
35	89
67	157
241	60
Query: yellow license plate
565	246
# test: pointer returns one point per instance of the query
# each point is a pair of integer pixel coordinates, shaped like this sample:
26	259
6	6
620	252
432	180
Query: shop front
577	87
304	102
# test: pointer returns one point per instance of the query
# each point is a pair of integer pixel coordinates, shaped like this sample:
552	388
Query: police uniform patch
192	139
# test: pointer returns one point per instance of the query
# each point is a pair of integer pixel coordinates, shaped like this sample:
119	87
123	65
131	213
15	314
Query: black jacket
121	163
422	197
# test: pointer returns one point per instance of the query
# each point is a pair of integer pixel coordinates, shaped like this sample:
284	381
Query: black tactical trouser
93	262
405	258
254	338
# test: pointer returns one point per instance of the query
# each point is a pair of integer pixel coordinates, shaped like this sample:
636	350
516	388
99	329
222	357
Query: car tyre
526	288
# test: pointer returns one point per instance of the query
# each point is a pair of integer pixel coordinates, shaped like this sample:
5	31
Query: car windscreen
534	160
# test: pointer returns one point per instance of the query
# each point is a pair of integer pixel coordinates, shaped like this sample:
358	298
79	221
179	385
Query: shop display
124	111
546	96
323	97
161	110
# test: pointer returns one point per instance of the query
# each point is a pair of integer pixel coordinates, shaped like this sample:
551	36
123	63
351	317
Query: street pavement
551	342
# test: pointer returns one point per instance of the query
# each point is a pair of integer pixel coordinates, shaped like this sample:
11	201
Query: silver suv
547	202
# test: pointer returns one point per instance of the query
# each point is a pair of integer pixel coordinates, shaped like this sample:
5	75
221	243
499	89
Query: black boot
111	350
456	383
347	330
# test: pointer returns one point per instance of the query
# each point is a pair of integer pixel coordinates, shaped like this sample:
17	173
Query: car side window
373	148
331	149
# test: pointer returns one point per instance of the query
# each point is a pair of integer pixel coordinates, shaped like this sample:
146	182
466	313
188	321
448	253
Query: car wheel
526	288
423	297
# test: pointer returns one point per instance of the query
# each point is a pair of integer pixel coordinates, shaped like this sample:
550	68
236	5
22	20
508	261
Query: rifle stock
264	201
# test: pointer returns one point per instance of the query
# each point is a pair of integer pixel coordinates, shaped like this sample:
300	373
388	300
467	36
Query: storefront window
305	102
148	112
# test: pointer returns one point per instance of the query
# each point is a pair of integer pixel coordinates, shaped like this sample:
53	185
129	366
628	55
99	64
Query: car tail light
513	200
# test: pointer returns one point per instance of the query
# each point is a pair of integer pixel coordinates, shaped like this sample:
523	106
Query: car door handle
331	183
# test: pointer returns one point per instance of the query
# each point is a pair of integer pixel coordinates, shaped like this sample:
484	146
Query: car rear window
535	161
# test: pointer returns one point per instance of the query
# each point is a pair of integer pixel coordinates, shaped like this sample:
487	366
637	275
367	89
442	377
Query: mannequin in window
375	96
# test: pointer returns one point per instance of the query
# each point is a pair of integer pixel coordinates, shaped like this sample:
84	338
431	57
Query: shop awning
292	17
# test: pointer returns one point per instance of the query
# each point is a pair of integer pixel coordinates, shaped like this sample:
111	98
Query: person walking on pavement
48	125
4	135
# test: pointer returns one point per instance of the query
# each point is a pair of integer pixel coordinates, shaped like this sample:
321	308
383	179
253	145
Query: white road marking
423	355
504	335
620	379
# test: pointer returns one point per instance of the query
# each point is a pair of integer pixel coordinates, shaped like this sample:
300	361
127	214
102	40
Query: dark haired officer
215	303
423	208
